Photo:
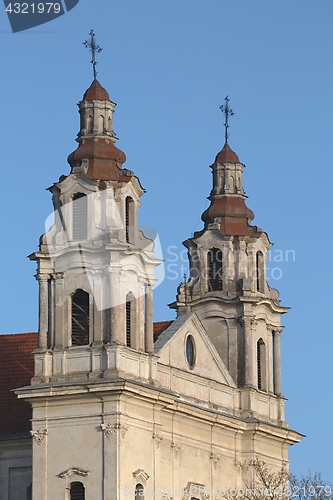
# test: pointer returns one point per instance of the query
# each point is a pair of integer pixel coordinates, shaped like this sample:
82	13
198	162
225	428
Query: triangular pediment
171	349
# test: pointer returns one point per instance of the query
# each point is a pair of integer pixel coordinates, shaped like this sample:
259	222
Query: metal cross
93	47
227	112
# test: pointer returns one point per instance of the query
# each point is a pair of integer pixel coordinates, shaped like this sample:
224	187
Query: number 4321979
34	8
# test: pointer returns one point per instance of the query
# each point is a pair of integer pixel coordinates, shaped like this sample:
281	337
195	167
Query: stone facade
115	414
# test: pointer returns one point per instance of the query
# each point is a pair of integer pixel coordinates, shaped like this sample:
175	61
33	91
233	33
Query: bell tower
95	267
227	288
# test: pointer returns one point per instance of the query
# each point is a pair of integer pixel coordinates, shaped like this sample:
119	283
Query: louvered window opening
80	214
80	318
128	324
259	367
77	491
215	282
260	271
129	219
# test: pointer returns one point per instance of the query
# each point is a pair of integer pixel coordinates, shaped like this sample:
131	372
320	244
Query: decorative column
42	317
248	323
277	360
96	281
59	310
51	309
241	261
149	333
270	360
140	313
117	309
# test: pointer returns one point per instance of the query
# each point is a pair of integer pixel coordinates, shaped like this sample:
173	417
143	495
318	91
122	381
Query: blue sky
168	66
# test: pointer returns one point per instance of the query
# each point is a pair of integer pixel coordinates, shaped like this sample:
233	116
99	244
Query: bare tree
262	483
310	487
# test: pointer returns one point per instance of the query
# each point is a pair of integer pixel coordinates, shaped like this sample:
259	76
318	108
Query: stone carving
109	430
141	474
195	490
123	429
158	438
215	459
39	436
176	449
73	470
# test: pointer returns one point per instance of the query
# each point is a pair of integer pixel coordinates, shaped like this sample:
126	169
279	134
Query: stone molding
73	470
195	490
141	474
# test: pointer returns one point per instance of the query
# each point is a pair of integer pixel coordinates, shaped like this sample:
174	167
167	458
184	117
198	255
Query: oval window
190	352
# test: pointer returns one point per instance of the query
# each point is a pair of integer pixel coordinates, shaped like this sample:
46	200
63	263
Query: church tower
95	267
227	288
120	411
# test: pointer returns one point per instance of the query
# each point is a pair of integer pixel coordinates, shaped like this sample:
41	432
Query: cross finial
93	47
227	111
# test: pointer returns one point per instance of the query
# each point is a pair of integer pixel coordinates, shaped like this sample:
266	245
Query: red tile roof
16	370
160	326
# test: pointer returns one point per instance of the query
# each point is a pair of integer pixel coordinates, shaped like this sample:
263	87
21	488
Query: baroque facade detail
73	471
158	438
39	436
207	382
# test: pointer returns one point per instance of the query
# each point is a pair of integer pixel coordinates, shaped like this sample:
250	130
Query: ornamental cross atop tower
93	47
227	111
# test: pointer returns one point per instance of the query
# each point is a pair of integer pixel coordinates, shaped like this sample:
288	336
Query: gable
171	349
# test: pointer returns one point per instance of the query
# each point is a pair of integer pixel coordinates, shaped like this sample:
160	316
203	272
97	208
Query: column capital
248	322
58	276
142	280
42	278
274	328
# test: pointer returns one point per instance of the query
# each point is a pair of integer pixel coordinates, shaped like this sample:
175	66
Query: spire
93	48
228	212
97	157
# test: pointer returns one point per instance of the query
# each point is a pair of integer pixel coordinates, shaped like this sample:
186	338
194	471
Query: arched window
77	491
101	126
214	263
261	364
80	318
80	214
139	492
260	272
129	219
90	124
130	318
